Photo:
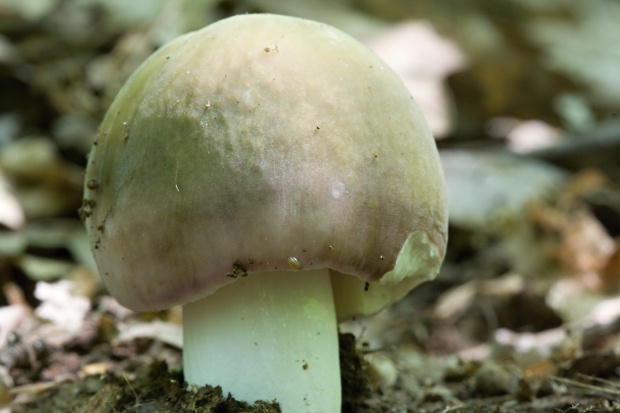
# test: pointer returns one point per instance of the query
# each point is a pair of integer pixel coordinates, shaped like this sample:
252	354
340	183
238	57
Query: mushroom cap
263	143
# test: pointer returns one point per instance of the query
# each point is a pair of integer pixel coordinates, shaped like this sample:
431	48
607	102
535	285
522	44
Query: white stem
268	336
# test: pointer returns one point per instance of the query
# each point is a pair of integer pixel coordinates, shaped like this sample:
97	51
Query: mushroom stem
268	336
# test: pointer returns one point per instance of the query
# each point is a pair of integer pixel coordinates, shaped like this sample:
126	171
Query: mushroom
273	176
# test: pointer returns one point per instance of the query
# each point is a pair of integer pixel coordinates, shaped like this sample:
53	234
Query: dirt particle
86	209
239	270
294	263
126	136
92	184
271	49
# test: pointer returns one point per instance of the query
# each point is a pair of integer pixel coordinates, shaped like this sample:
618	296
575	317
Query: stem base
268	336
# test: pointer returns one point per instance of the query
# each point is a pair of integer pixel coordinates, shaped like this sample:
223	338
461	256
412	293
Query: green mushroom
273	176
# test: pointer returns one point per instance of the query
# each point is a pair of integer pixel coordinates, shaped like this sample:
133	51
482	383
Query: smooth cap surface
263	143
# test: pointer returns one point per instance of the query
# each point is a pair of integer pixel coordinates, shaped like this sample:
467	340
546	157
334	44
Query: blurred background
523	98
